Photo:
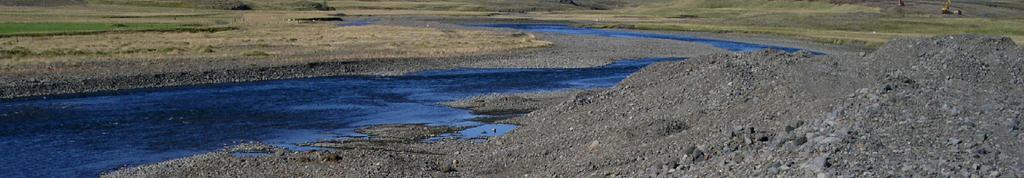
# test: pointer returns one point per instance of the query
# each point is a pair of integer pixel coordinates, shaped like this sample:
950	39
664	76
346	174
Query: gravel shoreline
512	104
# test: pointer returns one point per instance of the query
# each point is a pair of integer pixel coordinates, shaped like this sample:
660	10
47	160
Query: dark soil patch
318	19
309	6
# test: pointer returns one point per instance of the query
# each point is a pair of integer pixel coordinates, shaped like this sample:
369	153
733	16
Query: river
85	135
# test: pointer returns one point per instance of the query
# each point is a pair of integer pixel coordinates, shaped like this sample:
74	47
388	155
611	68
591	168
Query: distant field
448	5
857	22
868	23
50	28
433	5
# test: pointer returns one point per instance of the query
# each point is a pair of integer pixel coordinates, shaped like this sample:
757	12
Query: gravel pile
945	106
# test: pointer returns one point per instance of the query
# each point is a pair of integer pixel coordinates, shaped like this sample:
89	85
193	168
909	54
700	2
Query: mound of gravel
946	106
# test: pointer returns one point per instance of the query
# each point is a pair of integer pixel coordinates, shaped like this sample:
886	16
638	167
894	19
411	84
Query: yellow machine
946	8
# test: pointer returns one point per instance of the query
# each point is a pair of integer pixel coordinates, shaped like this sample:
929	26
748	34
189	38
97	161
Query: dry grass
262	39
112	14
269	31
353	42
433	5
812	20
262	34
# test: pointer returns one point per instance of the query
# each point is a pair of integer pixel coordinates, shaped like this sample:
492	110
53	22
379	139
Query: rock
799	140
907	167
593	145
697	155
818	164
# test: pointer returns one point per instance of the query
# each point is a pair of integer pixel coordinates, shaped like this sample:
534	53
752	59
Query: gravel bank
945	106
511	104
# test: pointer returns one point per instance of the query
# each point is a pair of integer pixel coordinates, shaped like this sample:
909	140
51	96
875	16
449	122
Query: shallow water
85	135
355	23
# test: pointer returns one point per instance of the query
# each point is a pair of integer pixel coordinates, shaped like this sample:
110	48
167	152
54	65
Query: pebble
953	141
818	164
907	167
593	145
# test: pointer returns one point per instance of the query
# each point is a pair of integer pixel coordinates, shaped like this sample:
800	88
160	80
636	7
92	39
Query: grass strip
63	29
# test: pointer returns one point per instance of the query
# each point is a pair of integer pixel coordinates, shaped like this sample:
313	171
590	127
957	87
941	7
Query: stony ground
938	107
944	106
509	104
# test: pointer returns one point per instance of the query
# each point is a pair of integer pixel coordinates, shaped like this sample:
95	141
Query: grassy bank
31	35
40	29
865	33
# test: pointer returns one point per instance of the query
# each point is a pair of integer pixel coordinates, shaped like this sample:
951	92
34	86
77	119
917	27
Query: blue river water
87	134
